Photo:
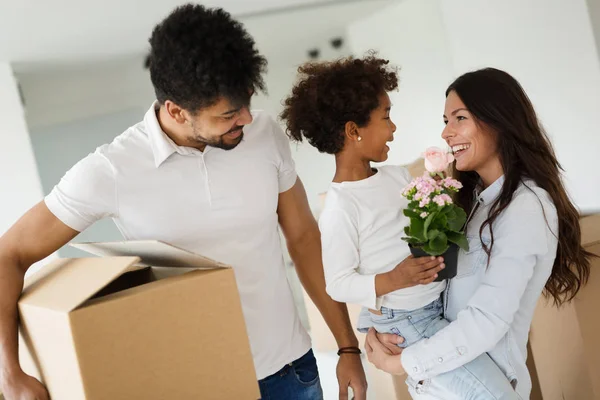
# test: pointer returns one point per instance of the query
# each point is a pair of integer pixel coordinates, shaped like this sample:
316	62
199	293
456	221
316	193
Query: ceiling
41	33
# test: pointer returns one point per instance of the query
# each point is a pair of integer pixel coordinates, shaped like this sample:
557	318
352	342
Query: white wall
594	11
63	95
19	178
18	173
58	147
315	169
548	45
411	35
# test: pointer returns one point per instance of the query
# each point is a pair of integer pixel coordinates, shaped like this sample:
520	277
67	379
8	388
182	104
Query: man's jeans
299	380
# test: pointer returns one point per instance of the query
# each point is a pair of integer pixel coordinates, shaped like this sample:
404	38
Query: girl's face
378	132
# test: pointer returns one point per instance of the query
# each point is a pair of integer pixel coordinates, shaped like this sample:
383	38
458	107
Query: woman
523	231
343	109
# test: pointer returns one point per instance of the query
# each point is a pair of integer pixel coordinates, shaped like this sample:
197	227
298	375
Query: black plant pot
450	260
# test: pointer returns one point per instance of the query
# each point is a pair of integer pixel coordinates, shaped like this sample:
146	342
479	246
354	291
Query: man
204	173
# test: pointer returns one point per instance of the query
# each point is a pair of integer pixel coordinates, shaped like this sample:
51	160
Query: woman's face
473	147
378	132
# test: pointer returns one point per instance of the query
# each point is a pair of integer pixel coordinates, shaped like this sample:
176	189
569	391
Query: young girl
342	108
524	237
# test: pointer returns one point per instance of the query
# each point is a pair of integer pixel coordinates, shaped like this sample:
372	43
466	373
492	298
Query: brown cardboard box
564	342
155	322
416	168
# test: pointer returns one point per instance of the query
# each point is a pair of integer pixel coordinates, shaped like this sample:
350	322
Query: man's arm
35	236
304	245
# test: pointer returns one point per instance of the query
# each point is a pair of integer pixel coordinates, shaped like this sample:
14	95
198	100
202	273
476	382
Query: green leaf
457	219
428	250
447	209
407	230
417	229
438	245
461	214
440	222
440	242
432	234
460	239
451	213
411	213
427	223
412	240
434	252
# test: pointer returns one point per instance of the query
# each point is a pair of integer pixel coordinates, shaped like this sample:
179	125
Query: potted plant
436	223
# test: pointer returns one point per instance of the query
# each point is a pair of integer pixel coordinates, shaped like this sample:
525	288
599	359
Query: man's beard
219	142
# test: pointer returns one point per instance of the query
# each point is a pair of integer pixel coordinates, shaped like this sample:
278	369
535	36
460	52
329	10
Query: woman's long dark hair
498	101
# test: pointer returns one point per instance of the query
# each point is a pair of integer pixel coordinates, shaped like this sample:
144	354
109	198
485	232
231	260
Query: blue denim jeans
480	379
299	380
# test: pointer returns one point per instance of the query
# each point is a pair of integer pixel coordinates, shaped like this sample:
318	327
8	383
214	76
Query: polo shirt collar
161	144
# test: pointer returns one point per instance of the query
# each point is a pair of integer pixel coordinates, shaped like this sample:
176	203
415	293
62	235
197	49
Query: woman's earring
359	138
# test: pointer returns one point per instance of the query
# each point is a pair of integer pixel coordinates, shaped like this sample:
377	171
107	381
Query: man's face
220	125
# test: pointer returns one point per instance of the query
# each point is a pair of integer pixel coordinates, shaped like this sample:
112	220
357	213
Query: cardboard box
145	321
416	168
564	342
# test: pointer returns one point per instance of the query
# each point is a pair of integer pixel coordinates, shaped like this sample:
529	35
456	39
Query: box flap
153	253
66	283
590	230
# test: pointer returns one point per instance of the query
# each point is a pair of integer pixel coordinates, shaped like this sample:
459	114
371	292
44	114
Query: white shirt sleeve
339	242
285	162
489	313
85	194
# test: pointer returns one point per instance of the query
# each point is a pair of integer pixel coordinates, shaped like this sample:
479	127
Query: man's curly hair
199	55
330	94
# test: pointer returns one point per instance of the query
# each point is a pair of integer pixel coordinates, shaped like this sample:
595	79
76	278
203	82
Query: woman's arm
521	236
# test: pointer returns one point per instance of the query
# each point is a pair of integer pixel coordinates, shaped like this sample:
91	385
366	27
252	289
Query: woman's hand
390	341
381	356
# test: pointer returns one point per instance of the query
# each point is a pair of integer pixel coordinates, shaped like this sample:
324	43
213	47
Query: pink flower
408	188
424	191
451	183
425	186
424	214
424	202
437	160
442	199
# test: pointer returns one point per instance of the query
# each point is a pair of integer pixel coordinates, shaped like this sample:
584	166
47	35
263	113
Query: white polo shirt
218	203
